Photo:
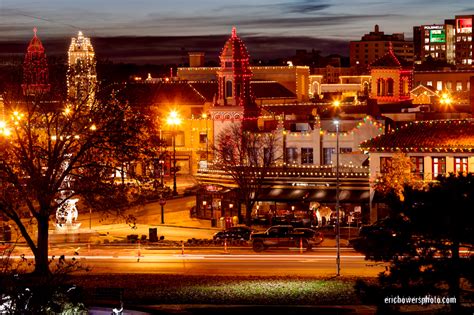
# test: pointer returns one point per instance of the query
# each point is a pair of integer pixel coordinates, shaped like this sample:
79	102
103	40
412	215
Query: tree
246	157
396	176
52	153
440	220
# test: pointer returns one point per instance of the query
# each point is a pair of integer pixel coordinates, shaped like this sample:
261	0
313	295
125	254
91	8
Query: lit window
385	164
306	155
439	85
327	155
418	166
429	83
458	86
439	166
291	155
460	165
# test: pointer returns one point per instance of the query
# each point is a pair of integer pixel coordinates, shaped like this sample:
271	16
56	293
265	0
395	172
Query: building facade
435	147
374	45
464	41
434	41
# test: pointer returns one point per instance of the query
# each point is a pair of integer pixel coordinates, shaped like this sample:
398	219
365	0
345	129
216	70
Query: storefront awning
320	195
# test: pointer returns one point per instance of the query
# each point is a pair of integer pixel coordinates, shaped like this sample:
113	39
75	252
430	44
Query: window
202	138
306	155
439	85
458	86
228	64
460	165
429	83
327	155
390	87
385	164
291	155
418	166
228	89
345	150
268	155
439	166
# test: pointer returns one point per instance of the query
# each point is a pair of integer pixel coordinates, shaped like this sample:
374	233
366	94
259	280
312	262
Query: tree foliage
246	157
52	152
435	256
396	176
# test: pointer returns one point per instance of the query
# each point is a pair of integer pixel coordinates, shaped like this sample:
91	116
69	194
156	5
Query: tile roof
270	89
208	89
426	136
179	93
389	60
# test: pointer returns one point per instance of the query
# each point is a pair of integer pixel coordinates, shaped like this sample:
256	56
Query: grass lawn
179	289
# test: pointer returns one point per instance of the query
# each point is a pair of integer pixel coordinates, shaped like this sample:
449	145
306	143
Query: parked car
189	191
235	233
384	239
285	236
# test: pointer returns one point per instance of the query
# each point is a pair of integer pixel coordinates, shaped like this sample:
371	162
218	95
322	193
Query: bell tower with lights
234	103
35	69
81	74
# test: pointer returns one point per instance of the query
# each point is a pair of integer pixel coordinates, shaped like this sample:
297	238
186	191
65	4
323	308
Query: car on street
285	236
192	190
235	233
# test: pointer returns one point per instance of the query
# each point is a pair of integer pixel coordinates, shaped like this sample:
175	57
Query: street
218	261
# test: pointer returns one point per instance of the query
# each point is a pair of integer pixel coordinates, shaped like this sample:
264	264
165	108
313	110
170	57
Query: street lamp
174	120
338	231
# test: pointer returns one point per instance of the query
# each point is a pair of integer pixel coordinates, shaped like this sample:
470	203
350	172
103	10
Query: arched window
380	87
390	87
228	89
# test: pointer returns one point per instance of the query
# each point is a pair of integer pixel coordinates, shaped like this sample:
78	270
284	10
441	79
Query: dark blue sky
326	25
346	19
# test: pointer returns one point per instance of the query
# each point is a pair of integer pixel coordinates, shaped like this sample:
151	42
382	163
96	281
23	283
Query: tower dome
35	68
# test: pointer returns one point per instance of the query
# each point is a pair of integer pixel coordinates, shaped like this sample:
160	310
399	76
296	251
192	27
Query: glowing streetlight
336	103
174	121
445	99
338	231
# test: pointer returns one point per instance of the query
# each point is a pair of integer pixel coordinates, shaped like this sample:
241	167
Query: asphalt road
280	262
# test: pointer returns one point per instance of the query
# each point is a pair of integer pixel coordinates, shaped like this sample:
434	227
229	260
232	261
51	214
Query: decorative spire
234	32
35	30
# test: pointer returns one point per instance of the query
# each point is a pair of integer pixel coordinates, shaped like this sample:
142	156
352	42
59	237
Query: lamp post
174	120
207	139
338	230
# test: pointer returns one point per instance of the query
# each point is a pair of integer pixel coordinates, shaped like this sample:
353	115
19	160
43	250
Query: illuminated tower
234	102
35	69
81	75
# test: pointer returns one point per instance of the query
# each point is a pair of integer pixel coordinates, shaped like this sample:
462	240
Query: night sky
264	25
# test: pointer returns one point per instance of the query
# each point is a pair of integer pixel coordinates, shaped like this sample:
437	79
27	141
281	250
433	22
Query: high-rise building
464	42
35	69
376	44
81	75
434	41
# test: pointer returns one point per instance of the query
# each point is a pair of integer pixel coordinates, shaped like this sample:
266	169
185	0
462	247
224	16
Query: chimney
196	59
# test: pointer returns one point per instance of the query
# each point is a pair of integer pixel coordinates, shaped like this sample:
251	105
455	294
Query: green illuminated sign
437	36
